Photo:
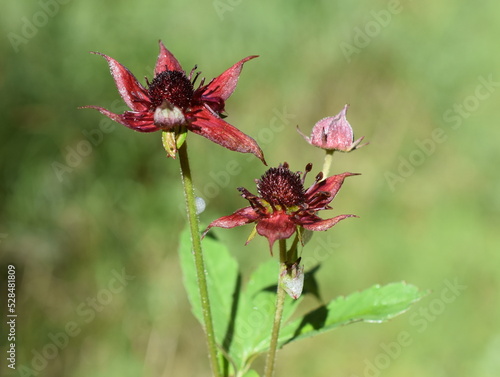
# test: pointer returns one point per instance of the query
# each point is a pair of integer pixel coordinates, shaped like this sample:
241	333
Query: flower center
279	186
171	86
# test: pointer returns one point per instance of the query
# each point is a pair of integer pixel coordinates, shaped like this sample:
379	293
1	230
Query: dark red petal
223	85
135	121
240	217
326	224
220	132
131	90
276	227
166	61
331	184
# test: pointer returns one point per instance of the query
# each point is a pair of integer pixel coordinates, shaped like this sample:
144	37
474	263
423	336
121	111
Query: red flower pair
170	103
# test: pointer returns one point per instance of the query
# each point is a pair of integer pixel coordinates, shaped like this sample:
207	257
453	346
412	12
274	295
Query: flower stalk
327	162
194	227
278	314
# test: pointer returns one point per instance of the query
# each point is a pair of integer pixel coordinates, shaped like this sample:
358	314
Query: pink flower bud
333	133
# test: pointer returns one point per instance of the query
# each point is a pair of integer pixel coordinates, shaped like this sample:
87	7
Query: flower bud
292	279
333	133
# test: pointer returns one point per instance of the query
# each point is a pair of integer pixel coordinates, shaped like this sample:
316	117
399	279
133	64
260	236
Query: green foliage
376	304
243	316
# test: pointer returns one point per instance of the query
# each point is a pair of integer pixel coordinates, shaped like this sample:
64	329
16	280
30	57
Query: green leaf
375	304
223	283
242	320
255	314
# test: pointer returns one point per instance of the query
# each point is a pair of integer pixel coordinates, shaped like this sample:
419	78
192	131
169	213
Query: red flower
170	102
334	133
283	205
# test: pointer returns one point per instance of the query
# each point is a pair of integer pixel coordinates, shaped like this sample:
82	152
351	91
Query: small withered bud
292	278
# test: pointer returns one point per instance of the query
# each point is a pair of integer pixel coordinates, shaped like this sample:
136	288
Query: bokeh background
90	212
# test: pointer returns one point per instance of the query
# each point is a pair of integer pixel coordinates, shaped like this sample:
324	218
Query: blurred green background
99	288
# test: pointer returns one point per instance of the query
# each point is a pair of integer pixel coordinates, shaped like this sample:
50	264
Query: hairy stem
278	314
327	163
194	227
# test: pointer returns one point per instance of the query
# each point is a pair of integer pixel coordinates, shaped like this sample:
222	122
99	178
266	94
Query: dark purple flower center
280	186
171	86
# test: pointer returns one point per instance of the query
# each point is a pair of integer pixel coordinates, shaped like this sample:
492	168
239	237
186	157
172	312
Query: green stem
327	163
278	314
194	227
292	255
